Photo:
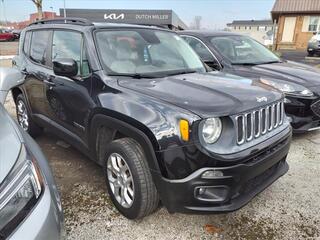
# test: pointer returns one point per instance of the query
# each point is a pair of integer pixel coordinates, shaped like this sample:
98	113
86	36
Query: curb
312	58
7	57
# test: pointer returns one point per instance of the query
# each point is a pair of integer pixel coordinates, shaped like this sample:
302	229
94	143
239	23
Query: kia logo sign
113	16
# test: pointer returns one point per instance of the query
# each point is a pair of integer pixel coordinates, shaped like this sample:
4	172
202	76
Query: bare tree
38	4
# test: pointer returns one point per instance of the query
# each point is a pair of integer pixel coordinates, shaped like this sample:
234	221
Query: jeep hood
290	71
10	144
207	94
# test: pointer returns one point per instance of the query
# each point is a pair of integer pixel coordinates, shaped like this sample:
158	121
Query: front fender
157	117
9	78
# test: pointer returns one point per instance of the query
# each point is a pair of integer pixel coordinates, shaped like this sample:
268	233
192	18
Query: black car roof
81	24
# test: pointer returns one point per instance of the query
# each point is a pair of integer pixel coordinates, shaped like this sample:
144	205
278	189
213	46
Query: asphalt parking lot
300	56
289	209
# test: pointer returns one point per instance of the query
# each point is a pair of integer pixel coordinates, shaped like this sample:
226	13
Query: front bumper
314	47
44	222
3	95
303	113
230	191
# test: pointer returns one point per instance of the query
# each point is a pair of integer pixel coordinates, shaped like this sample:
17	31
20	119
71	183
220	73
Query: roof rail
75	21
152	25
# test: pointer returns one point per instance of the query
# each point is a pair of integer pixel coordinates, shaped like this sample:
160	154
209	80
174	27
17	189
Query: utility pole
64	9
4	13
52	14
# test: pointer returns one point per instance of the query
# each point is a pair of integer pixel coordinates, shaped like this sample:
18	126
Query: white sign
113	16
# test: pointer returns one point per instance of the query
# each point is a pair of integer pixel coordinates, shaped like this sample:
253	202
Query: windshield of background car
242	50
146	51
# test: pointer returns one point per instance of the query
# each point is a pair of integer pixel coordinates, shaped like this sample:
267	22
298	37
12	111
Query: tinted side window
67	44
200	49
26	43
38	50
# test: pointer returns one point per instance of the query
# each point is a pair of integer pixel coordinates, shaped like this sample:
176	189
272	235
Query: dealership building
163	18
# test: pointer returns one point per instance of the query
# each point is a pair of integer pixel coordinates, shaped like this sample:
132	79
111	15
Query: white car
314	44
9	78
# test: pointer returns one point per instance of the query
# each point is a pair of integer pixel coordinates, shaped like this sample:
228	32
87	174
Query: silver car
314	45
30	206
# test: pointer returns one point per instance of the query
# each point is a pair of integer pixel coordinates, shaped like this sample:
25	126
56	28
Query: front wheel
129	180
24	119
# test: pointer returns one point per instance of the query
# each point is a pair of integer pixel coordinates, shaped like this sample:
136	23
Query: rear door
68	100
37	68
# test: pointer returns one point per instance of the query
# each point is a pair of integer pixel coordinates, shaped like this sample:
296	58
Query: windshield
148	52
242	50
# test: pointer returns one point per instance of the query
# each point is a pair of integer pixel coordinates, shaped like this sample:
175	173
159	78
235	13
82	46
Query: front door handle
24	71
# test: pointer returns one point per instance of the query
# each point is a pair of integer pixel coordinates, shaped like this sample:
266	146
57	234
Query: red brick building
297	20
33	17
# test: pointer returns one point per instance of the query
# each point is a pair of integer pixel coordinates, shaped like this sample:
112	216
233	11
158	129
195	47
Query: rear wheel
24	119
129	180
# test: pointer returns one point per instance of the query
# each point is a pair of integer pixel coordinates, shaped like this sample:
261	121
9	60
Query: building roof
250	23
295	6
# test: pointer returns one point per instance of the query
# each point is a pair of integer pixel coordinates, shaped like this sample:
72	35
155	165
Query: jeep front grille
258	122
315	107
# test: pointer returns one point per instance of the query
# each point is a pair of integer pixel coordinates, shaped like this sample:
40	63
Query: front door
68	98
288	29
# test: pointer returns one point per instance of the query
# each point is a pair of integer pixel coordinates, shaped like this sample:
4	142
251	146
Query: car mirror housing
212	64
66	67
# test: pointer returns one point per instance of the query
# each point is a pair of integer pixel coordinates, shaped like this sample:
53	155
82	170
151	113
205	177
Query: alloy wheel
22	115
120	180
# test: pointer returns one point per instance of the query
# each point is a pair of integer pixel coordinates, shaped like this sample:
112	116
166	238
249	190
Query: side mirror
214	65
66	67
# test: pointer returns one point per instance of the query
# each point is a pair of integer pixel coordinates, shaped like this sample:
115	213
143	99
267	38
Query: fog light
212	193
201	191
212	174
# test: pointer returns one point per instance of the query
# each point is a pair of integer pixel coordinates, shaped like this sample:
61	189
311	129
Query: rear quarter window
39	47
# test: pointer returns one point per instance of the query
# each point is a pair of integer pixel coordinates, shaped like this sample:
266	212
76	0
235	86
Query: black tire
310	54
33	129
146	198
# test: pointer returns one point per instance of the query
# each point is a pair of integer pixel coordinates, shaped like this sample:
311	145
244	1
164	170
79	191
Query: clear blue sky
215	13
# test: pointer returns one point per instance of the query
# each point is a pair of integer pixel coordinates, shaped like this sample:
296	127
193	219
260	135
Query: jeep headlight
20	193
211	130
288	88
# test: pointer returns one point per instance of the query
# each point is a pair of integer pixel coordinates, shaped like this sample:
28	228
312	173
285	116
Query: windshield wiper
181	72
245	64
275	61
133	75
257	63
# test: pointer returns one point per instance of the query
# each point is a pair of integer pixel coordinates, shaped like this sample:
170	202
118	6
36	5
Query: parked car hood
291	71
207	94
10	144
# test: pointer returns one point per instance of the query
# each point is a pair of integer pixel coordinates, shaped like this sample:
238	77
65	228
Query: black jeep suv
139	102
